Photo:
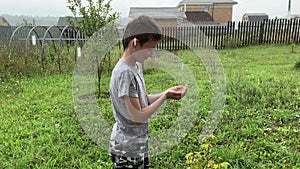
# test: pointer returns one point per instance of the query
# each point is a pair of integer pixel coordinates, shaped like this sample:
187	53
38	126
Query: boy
132	106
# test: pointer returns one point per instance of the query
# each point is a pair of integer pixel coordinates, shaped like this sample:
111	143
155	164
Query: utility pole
289	9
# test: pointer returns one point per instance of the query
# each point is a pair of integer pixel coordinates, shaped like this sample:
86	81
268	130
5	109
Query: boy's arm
153	97
140	115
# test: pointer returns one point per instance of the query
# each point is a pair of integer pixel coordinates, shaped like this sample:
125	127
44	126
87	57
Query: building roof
3	21
207	2
63	21
198	16
157	13
256	16
295	15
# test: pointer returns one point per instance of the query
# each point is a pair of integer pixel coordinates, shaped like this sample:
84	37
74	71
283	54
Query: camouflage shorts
121	162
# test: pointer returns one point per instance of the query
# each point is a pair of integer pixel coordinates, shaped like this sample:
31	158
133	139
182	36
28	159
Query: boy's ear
134	42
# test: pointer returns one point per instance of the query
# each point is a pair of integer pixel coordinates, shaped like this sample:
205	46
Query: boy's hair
143	28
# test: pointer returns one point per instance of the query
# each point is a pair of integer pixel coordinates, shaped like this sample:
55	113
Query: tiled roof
195	16
201	2
157	13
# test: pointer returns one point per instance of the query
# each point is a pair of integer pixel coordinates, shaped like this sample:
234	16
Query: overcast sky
58	7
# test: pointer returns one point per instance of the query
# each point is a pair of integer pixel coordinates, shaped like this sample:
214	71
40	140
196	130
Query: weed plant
297	64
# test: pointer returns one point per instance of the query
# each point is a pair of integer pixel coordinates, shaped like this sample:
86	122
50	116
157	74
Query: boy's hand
176	92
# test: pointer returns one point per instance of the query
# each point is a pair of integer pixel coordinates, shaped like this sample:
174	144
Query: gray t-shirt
128	138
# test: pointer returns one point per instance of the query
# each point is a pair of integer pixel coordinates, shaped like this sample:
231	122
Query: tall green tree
91	17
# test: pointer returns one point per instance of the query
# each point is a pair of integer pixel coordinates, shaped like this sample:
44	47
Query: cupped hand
176	92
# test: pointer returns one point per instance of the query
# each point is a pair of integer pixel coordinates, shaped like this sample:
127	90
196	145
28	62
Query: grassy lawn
260	123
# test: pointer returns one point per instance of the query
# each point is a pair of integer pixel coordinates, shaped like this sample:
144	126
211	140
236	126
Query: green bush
19	62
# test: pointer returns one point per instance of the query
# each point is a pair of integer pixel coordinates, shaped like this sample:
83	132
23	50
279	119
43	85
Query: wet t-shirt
128	138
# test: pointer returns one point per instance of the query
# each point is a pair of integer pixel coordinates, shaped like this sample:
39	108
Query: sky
274	8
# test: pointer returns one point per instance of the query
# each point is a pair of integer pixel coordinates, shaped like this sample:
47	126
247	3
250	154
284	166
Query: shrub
232	42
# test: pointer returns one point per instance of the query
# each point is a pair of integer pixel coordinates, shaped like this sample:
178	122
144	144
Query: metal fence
234	34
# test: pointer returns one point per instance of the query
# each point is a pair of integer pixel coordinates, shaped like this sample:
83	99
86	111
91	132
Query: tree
88	19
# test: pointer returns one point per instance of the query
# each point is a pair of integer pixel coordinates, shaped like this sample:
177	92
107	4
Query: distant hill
15	20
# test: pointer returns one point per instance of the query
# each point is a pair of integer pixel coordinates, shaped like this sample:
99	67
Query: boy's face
142	53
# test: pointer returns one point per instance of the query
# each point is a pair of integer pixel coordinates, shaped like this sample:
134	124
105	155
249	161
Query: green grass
261	120
260	123
39	128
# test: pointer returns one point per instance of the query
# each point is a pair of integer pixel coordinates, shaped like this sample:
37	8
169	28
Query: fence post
297	30
289	31
261	33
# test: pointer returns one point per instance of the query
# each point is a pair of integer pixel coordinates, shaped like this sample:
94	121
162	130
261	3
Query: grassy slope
259	128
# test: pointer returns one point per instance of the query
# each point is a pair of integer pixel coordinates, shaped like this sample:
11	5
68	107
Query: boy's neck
127	57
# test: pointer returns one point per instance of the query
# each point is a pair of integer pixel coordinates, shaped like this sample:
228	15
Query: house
64	21
164	16
255	17
3	22
189	12
295	16
219	10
